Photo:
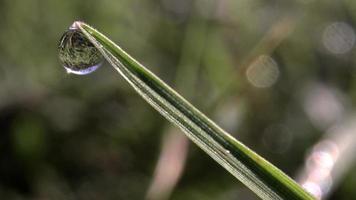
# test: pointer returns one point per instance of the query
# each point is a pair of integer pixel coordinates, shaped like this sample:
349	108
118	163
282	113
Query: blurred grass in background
278	75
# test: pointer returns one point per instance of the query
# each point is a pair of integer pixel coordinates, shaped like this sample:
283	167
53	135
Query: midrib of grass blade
267	181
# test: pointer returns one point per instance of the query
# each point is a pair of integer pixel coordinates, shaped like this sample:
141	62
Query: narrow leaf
267	181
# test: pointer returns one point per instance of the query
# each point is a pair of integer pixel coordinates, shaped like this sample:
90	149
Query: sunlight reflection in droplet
338	37
263	72
84	71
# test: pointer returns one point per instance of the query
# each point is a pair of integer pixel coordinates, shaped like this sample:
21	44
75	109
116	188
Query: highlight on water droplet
77	54
84	71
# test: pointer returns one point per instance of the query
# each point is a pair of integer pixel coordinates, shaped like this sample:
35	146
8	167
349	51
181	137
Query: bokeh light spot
263	72
313	188
338	38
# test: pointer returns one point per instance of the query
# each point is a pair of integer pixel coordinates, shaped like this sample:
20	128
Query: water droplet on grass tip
77	54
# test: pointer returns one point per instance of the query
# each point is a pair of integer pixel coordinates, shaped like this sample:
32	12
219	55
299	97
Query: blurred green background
278	75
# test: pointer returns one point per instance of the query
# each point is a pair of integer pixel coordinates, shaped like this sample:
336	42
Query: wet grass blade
264	179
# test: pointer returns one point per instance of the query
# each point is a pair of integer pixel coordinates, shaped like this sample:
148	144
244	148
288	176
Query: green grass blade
267	181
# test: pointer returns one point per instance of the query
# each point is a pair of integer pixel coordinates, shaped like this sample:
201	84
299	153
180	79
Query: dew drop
77	54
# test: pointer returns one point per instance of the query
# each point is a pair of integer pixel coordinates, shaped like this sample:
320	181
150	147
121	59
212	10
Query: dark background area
278	75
